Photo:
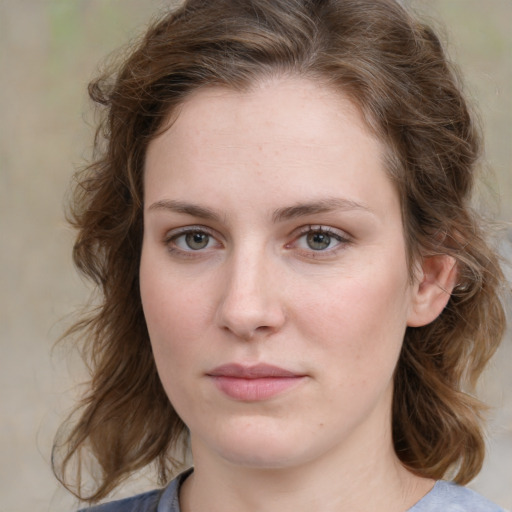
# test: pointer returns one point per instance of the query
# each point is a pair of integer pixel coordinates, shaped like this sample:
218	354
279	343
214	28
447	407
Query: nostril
247	323
251	304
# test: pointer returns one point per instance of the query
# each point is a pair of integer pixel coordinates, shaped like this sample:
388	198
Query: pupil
318	241
197	241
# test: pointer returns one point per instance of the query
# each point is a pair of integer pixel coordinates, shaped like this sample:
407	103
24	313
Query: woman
293	281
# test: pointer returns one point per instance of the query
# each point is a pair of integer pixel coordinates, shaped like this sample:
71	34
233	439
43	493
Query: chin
261	456
256	446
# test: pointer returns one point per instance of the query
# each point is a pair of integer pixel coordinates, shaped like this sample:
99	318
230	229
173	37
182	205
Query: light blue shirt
444	497
449	497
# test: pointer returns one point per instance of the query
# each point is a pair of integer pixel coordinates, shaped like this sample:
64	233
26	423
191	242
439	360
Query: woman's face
273	276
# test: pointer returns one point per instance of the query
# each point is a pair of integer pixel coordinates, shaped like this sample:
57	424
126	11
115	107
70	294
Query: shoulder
163	500
450	497
145	502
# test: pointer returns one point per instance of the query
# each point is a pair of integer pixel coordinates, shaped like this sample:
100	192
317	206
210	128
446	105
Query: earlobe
436	279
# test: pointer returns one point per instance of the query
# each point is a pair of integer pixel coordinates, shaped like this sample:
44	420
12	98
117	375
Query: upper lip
257	371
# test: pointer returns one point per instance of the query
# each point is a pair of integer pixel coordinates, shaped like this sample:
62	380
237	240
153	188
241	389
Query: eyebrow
281	214
326	205
191	209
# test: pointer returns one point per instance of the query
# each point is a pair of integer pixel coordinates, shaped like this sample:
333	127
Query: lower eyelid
342	238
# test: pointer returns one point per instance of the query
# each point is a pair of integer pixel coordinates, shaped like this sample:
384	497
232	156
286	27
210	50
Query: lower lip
254	390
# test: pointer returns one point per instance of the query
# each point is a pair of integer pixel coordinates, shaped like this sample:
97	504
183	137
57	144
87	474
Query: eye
190	240
318	241
197	240
320	238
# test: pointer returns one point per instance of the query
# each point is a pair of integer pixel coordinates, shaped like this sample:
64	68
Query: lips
253	383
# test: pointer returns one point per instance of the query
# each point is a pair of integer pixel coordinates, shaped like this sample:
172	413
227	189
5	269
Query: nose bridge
250	303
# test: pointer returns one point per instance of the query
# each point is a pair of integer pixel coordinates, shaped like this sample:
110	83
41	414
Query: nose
251	304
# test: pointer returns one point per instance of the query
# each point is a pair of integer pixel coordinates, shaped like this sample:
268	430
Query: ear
435	280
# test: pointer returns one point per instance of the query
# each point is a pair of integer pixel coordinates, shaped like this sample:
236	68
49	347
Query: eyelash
340	237
171	238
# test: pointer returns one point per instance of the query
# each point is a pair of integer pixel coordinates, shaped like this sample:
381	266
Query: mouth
253	383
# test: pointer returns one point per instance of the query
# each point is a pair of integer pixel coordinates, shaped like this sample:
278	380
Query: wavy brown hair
393	67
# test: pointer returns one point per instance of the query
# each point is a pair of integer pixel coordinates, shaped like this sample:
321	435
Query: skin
238	191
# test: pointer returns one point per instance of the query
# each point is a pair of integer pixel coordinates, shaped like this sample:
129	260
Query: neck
362	478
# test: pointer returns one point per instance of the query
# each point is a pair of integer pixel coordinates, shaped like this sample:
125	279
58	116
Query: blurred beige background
49	50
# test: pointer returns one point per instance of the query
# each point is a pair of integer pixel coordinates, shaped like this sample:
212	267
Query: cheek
166	307
170	323
169	311
178	312
359	323
168	298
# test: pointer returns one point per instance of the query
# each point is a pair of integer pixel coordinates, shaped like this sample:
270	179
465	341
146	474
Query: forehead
278	112
288	139
289	104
